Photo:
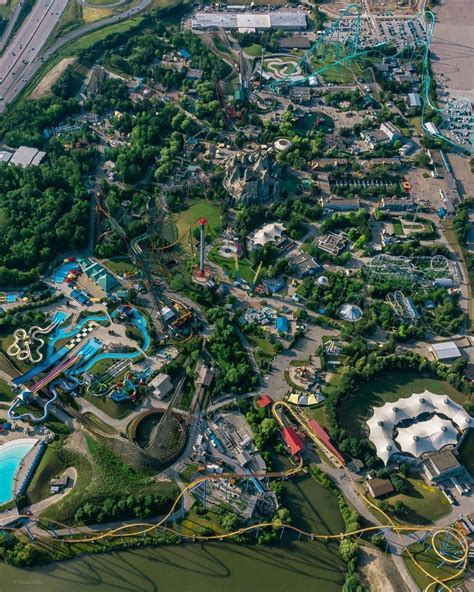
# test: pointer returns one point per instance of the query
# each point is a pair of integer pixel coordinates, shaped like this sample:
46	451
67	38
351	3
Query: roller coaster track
142	528
353	52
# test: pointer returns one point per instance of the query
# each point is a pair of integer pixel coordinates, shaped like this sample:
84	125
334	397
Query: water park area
74	352
13	454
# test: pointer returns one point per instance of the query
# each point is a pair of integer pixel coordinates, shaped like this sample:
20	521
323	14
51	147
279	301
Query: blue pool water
61	273
67	332
11	298
11	455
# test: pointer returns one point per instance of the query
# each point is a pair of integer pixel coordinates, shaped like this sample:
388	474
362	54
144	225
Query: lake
294	566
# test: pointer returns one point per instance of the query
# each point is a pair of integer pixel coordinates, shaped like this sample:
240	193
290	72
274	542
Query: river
295	565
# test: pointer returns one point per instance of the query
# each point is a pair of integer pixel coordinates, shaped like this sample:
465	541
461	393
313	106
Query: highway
11	25
12	86
26	46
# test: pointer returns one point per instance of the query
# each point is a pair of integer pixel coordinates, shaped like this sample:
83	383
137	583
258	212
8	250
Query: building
424	423
379	487
447	350
331	243
205	376
264	401
5	156
295	42
250	22
339	204
162	385
252	177
431	128
391	131
304	265
103	279
270	233
442	465
397	204
292	440
374	138
94	81
300	94
414	100
25	156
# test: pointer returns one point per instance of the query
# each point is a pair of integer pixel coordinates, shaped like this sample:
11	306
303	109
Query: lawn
246	271
353	410
264	350
120	266
200	209
90	14
115	410
55	461
426	504
431	563
6	393
192	523
104	476
253	50
398	228
88	40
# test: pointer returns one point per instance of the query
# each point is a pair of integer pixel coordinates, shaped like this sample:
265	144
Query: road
36	58
25	47
11	25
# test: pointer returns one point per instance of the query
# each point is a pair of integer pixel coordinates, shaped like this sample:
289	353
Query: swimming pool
11	454
61	273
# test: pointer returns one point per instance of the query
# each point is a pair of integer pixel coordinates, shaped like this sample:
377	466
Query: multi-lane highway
11	25
26	46
32	37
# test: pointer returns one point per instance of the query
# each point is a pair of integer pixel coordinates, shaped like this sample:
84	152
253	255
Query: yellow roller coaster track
141	528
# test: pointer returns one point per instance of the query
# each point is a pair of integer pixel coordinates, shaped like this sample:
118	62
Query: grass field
355	409
246	270
426	504
89	40
398	228
7	9
253	50
100	476
200	209
91	14
120	266
431	563
264	350
193	523
55	461
115	410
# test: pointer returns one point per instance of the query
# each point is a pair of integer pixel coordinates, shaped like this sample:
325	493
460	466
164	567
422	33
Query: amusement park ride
341	46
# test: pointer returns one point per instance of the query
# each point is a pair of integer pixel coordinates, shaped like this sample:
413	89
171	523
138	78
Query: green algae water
293	566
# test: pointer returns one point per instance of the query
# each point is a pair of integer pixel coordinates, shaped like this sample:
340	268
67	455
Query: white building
447	350
425	423
244	22
271	233
391	131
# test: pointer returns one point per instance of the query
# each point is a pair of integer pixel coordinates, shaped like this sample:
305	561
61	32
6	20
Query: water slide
23	340
41	367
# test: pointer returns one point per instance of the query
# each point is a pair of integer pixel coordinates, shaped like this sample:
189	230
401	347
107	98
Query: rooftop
446	350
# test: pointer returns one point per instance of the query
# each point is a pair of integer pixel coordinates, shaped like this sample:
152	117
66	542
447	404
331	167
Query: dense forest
43	211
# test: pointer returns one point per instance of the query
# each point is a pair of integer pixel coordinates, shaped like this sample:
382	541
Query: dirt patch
379	572
44	86
77	442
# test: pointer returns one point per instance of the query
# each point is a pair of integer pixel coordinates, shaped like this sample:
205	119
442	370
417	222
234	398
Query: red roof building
292	440
264	401
322	435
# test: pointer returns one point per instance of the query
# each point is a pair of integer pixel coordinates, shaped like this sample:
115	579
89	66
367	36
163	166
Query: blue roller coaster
340	45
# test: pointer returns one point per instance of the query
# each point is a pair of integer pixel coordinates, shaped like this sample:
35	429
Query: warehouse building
250	22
